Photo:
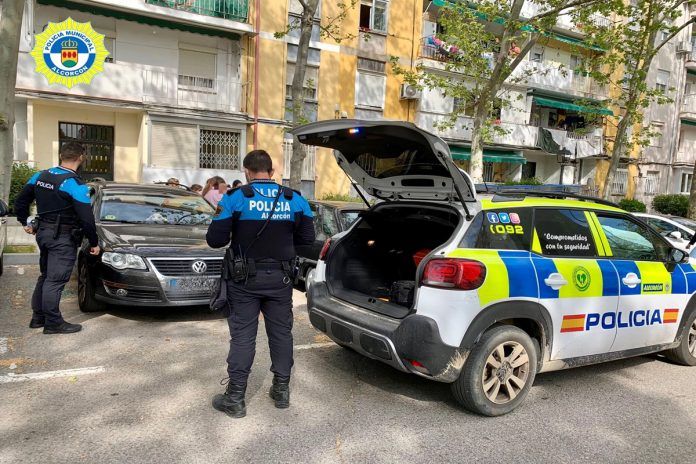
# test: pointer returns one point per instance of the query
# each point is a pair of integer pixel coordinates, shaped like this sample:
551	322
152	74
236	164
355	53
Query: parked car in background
677	230
330	218
4	210
154	248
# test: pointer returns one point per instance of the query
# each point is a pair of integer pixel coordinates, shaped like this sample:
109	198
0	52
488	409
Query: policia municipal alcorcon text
262	222
64	216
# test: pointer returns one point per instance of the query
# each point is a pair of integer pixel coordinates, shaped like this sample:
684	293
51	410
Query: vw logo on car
199	267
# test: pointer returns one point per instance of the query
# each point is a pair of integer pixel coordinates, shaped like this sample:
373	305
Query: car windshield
348	218
155	208
685	222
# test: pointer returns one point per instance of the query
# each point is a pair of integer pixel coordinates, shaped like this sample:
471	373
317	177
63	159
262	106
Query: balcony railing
236	10
171	89
689	105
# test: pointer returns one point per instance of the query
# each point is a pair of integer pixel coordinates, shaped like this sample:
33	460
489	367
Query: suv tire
501	366
685	353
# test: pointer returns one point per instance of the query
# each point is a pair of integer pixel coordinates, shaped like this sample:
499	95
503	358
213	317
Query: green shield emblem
581	278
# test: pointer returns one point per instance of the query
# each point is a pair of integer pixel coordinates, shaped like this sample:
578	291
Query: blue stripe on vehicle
678	280
520	269
544	267
690	276
623	268
610	281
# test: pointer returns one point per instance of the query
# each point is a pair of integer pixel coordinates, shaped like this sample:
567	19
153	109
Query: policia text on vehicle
265	222
64	215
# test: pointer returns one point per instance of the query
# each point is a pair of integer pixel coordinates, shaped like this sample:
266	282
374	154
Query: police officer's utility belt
243	268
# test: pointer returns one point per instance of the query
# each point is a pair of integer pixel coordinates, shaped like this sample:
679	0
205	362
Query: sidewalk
17	236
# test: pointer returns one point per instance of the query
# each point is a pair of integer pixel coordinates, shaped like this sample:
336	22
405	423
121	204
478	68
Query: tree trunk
476	160
10	29
618	151
297	91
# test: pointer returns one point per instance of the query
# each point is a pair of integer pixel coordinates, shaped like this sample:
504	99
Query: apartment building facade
192	85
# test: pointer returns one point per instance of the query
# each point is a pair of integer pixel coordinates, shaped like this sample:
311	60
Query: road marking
12	377
314	345
3	345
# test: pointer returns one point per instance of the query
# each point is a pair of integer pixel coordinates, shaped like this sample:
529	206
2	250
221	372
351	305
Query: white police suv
485	294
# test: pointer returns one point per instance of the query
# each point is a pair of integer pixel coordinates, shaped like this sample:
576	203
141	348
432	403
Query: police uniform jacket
59	191
242	212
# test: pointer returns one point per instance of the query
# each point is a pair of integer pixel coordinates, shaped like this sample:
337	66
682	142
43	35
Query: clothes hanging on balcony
546	143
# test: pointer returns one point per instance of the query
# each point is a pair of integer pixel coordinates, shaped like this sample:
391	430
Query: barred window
219	150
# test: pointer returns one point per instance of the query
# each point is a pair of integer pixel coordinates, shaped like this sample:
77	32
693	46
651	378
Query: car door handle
555	281
631	280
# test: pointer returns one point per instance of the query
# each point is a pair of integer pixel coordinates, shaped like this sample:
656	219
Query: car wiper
122	221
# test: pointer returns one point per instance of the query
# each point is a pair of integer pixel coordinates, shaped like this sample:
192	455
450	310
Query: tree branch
524	51
303	3
560	9
673	35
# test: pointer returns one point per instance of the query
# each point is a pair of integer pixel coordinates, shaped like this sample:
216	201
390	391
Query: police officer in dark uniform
64	215
260	260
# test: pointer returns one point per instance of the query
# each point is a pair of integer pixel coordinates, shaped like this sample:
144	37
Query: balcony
236	10
688	109
516	135
140	86
552	78
565	21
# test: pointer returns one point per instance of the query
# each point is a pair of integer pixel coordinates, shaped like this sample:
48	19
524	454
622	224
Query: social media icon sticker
514	218
504	218
492	218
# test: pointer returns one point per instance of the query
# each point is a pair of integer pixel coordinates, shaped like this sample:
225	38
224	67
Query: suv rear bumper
389	340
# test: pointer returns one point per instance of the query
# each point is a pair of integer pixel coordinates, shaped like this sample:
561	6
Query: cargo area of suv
375	265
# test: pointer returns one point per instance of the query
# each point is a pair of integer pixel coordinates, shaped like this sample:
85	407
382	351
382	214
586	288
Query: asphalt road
150	375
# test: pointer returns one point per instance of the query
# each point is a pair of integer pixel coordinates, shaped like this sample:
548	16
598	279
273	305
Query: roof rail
537	193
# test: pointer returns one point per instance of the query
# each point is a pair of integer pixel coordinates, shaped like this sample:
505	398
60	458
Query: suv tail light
463	274
325	249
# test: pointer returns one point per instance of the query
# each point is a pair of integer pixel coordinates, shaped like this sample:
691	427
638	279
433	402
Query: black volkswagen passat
154	251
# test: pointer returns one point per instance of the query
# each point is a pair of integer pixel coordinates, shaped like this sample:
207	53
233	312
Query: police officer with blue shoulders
265	222
64	214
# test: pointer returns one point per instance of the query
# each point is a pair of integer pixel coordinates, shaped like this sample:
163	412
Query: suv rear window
509	229
564	232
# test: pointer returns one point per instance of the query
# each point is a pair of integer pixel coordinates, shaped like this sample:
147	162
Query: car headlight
123	261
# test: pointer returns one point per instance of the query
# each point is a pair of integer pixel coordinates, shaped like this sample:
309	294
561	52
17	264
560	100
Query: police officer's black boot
280	392
232	401
36	323
63	328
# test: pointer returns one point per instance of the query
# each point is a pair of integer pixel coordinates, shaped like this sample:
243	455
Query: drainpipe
676	122
257	57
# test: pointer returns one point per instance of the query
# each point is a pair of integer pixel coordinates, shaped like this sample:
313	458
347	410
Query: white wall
146	64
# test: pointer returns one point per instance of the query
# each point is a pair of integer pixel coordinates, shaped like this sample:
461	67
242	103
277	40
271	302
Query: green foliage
671	204
633	206
527	181
21	173
340	197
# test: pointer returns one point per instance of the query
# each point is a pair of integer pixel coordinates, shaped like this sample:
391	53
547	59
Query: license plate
192	284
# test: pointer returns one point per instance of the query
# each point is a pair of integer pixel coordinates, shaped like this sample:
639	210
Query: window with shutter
174	145
197	70
369	90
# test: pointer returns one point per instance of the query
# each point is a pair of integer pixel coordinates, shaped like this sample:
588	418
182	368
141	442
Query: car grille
188	296
182	267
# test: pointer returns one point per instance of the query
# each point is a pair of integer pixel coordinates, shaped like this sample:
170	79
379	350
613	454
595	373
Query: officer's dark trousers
266	293
56	263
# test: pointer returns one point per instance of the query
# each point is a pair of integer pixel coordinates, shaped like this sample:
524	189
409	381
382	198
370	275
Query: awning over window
688	122
490	155
138	18
550	102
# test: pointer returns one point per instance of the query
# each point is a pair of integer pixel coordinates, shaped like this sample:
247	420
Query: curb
20	258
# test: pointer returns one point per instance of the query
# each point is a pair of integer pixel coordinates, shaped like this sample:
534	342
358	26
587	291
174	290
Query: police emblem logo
69	53
581	278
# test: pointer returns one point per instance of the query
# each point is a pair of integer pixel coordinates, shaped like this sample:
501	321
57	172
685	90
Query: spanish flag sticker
671	316
573	323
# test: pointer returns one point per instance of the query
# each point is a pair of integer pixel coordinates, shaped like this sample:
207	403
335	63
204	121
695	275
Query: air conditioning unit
684	46
410	92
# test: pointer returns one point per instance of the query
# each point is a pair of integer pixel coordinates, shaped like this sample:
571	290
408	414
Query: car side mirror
4	210
675	234
676	256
